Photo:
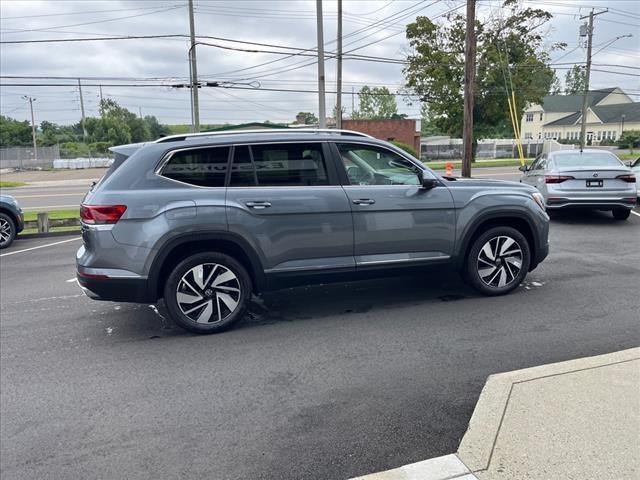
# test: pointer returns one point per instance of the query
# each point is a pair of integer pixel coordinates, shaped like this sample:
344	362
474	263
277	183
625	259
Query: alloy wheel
208	293
499	261
5	231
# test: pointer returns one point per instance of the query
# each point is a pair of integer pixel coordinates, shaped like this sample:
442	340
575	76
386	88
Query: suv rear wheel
498	261
207	292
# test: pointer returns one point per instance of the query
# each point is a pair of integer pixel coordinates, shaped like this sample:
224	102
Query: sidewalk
572	420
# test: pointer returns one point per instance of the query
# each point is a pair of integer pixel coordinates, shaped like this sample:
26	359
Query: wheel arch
10	214
515	219
179	248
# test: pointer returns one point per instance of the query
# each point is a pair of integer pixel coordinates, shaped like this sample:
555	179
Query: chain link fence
26	157
483	151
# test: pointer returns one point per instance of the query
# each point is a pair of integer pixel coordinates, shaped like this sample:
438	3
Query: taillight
101	214
627	177
557	178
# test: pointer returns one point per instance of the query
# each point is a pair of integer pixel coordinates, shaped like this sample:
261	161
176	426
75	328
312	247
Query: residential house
559	117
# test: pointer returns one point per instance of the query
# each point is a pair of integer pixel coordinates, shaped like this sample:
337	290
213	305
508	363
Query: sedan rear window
586	160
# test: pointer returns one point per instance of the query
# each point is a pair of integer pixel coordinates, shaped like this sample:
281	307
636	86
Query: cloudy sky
374	28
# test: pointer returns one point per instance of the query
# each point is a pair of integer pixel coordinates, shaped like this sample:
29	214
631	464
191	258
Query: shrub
407	148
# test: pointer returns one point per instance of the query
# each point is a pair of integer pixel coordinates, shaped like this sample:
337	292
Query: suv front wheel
498	261
207	292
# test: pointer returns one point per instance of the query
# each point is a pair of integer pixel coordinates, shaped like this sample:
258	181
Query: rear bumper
115	289
556	202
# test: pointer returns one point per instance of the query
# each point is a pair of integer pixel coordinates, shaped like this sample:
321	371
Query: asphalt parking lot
318	382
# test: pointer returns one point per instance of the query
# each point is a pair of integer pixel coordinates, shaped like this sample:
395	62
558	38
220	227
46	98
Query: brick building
406	131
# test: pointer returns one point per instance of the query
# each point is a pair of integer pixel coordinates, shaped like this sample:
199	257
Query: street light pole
33	130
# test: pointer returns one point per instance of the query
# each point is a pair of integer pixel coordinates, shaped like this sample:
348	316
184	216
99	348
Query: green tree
575	80
14	133
428	127
556	87
376	103
509	51
308	118
629	139
155	128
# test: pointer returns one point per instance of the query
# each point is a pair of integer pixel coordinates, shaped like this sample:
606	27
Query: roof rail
180	137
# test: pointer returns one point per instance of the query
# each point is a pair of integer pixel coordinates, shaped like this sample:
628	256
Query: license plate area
595	183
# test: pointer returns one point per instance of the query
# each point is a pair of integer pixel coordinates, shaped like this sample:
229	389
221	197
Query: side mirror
428	183
629	163
524	168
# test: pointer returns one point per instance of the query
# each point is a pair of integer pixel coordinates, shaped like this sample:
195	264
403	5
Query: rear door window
204	167
279	165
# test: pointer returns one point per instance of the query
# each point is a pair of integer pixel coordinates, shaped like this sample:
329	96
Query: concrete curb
448	467
477	446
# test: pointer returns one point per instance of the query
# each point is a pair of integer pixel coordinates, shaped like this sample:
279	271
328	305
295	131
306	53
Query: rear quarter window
203	167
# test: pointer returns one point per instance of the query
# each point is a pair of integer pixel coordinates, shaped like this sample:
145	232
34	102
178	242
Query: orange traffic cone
448	169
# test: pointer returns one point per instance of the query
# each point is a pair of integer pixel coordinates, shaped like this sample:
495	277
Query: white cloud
280	22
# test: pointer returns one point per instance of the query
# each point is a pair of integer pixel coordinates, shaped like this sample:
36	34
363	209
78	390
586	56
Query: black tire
506	263
208	293
7	230
621	213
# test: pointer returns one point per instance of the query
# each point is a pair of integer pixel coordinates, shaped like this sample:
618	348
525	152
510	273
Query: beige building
560	116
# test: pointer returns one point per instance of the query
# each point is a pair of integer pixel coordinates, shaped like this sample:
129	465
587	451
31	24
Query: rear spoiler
122	152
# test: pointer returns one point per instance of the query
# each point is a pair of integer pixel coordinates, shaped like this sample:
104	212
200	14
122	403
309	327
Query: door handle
258	205
364	201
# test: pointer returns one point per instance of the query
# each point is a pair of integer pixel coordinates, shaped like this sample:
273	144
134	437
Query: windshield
590	159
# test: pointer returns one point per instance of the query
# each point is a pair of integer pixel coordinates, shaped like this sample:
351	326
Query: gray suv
203	221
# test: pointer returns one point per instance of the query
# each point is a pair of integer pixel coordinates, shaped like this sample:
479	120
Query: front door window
369	165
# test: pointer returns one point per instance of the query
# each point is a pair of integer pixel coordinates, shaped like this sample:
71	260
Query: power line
11	31
84	12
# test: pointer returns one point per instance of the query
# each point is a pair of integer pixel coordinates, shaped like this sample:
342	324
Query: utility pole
353	100
339	72
101	99
585	103
140	111
33	129
193	64
469	81
84	129
322	114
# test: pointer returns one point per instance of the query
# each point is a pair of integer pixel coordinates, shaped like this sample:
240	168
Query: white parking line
71	280
40	246
635	213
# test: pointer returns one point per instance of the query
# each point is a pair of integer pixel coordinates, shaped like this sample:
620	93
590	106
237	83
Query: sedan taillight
627	177
101	214
557	178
